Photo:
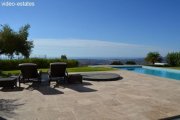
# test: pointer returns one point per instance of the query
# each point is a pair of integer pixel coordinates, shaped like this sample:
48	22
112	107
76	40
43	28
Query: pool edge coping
164	69
143	66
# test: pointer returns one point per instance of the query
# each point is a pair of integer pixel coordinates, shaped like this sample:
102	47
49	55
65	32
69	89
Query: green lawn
76	69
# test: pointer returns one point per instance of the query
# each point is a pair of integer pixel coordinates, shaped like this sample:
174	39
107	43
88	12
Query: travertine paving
134	97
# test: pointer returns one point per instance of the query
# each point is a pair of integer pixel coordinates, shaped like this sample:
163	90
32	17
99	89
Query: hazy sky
98	28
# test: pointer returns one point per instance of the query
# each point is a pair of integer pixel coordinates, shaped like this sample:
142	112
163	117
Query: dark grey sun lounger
57	71
29	73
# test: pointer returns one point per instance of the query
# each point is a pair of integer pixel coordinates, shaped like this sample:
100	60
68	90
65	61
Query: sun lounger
29	73
57	71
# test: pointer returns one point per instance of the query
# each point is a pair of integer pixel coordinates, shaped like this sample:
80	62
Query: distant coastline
93	60
107	61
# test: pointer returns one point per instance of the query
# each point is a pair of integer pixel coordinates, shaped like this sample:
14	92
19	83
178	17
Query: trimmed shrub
116	63
131	63
173	59
42	63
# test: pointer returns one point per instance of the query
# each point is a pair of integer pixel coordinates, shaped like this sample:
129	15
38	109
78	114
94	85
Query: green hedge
173	58
41	62
130	63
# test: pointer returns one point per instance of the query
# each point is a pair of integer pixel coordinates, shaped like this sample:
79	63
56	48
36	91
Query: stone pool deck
134	97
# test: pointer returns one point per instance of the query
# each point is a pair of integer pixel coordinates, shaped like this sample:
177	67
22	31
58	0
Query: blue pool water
173	74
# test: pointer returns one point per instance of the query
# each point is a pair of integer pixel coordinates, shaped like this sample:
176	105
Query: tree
7	41
63	57
153	57
173	58
24	47
12	42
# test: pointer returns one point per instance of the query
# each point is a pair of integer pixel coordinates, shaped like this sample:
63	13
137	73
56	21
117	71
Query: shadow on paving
81	87
177	117
7	107
1	118
15	89
44	88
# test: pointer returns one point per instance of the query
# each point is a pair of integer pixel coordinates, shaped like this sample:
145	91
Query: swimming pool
161	72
